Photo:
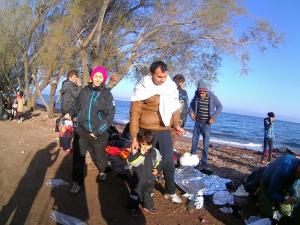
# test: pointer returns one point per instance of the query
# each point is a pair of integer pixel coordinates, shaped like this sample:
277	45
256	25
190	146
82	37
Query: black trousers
82	143
164	143
142	193
267	141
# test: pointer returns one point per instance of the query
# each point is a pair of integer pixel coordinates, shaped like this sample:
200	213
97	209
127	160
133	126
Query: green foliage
192	36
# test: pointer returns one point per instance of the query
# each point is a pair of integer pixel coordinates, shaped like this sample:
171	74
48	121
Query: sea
231	129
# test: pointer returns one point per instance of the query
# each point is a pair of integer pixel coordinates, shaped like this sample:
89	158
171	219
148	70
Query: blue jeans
204	129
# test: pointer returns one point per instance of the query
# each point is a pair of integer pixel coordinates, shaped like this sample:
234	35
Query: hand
78	82
92	135
179	130
134	144
143	151
67	116
193	116
154	172
290	200
211	121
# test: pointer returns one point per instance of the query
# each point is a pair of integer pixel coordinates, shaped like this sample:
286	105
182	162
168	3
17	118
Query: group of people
159	107
12	108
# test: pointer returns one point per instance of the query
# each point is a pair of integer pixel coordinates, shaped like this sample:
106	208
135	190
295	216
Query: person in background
19	106
268	136
94	111
68	94
183	98
204	109
69	91
145	166
155	106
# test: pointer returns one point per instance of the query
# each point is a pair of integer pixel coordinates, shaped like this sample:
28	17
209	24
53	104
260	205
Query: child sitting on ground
144	162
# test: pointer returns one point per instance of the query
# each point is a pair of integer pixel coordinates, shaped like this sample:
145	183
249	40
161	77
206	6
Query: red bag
112	150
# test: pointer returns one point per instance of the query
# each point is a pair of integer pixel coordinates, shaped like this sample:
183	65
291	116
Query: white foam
123	121
250	145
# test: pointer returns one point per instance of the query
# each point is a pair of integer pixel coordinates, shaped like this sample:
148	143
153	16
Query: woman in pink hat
94	111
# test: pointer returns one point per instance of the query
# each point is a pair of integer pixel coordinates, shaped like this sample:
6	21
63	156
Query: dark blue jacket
279	176
94	109
215	106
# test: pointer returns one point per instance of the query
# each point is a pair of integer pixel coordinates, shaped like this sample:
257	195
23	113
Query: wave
250	145
122	121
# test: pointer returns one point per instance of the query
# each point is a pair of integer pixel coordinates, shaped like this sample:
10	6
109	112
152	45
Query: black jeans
267	141
142	193
82	143
163	142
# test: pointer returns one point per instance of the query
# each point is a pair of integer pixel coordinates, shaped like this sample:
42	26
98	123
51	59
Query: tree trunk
26	79
33	100
51	109
85	69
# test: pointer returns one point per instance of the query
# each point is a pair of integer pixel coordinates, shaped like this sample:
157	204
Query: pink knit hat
99	69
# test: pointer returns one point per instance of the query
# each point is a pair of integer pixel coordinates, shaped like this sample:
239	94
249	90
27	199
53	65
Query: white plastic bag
226	210
198	199
52	183
65	219
223	198
188	159
241	191
253	220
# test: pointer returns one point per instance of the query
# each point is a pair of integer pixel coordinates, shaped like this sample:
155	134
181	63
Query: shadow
113	197
29	114
19	205
75	206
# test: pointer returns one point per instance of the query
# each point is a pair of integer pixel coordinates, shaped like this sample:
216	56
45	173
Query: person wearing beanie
94	111
204	110
268	136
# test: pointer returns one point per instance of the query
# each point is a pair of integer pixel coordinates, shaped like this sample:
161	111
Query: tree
24	22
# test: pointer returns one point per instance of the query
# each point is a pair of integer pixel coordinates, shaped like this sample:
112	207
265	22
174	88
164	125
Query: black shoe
133	212
152	210
76	189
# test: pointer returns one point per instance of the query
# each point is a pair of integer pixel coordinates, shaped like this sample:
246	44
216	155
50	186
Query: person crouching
145	165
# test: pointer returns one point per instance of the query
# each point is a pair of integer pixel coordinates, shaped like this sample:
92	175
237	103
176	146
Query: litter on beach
193	181
241	191
226	210
223	198
65	219
188	159
253	220
53	183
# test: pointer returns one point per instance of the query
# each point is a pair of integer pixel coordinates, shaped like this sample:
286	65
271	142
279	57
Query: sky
273	82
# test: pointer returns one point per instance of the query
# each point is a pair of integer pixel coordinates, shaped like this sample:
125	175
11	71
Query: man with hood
204	110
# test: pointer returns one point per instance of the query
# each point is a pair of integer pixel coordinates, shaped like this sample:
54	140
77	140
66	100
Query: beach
30	157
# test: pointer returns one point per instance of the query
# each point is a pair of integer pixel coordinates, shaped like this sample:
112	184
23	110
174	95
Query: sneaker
133	212
152	210
174	198
101	177
75	189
